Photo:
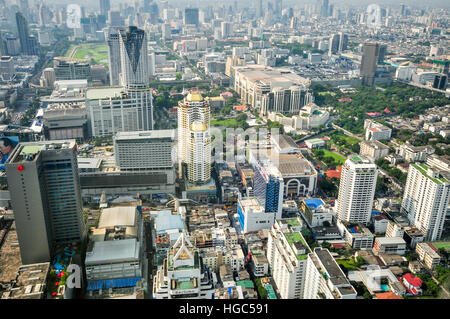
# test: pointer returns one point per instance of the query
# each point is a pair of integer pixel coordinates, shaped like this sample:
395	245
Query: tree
326	244
178	76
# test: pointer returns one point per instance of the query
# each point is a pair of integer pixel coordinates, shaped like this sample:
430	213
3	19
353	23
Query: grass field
97	52
442	244
337	158
226	123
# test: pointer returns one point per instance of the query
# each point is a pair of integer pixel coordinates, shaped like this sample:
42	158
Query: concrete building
192	108
411	153
287	253
46	197
253	216
183	275
6	68
268	188
356	190
356	235
285	100
373	149
71	69
376	131
148	150
429	257
389	245
251	82
309	117
425	199
369	63
316	212
325	279
65	121
115	65
199	153
115	256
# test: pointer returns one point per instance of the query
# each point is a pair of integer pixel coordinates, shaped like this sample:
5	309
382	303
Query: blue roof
375	212
165	220
112	283
314	202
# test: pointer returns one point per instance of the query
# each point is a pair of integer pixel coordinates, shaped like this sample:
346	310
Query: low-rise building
429	257
389	245
373	149
356	235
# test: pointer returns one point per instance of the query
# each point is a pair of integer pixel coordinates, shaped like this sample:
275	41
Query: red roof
240	107
388	295
334	173
386	110
336	245
412	280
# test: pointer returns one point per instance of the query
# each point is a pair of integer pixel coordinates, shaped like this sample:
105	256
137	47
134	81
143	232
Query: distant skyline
286	3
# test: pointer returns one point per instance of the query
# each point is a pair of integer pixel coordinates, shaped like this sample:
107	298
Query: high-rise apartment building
287	253
70	69
356	190
425	199
46	197
369	63
192	108
199	153
325	279
286	100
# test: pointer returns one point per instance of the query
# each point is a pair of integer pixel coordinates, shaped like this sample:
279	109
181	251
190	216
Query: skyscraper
22	29
199	153
426	199
191	16
192	108
46	197
105	6
134	58
268	188
115	63
343	42
333	46
259	9
324	8
356	190
369	63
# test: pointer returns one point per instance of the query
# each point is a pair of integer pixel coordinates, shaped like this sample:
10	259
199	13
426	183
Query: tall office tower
24	7
24	35
135	71
369	63
268	187
402	9
343	41
3	50
183	275
166	31
325	279
324	8
356	190
426	199
134	58
199	153
115	19
381	53
154	13
259	9
333	46
191	16
46	197
115	63
105	6
226	28
192	108
44	15
287	253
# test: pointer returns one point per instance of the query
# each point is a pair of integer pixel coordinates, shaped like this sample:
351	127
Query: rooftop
143	135
103	93
117	216
113	251
335	274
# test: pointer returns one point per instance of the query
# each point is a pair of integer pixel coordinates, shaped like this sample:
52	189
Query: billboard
7	146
